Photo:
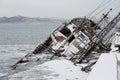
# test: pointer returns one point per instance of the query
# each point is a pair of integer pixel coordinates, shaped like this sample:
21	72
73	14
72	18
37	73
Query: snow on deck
105	68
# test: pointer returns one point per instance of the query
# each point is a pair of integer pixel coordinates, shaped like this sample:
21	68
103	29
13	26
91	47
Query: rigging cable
96	8
102	4
102	9
116	7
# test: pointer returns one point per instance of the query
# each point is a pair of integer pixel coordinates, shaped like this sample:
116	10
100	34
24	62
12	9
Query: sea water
25	33
18	39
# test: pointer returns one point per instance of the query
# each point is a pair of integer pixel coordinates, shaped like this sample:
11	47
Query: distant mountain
22	19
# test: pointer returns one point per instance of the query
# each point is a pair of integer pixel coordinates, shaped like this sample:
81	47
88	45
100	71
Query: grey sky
48	8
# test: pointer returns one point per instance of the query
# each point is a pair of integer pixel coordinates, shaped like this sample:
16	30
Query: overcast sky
49	8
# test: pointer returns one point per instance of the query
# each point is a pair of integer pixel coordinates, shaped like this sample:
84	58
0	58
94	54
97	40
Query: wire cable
96	8
102	4
107	5
118	7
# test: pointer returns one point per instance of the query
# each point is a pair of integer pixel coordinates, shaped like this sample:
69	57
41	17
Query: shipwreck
81	40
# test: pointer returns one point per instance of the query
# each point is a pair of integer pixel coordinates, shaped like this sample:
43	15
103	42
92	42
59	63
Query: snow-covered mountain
23	19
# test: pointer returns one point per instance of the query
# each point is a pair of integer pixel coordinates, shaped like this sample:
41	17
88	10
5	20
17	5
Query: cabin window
65	31
87	33
71	39
82	36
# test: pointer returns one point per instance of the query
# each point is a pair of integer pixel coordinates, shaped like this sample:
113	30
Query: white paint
117	38
71	27
70	50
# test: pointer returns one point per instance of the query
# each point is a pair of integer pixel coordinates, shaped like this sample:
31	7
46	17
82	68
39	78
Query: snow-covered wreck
81	40
78	38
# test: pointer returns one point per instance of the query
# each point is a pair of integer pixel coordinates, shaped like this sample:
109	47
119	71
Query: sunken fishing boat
81	40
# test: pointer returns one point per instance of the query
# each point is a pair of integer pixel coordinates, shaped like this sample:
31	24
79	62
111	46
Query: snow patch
105	68
52	70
